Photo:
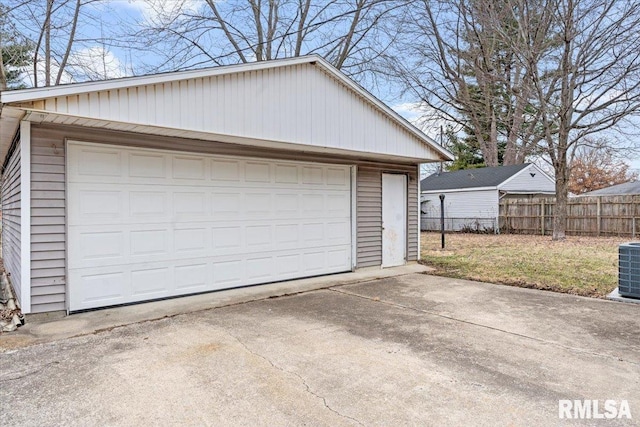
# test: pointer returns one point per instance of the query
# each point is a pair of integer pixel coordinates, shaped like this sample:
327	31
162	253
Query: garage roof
299	103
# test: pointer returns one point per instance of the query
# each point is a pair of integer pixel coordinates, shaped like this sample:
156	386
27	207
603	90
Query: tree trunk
562	195
47	44
3	75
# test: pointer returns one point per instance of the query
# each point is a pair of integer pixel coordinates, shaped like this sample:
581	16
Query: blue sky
120	61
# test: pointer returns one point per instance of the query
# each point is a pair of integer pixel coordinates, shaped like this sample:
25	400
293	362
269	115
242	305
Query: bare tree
458	59
587	83
58	30
348	33
539	76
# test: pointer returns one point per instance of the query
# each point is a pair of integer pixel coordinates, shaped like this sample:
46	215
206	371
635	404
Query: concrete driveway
411	350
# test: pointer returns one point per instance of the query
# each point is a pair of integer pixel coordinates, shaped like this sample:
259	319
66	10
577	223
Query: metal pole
442	218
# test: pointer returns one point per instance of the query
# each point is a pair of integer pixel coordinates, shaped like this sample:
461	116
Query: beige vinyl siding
369	217
48	199
412	215
11	219
369	213
48	281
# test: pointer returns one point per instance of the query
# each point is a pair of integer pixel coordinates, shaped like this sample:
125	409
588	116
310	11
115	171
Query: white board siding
524	182
11	220
461	209
290	104
48	246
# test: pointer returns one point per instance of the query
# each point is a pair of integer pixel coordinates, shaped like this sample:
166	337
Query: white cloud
92	63
29	80
163	11
95	63
423	117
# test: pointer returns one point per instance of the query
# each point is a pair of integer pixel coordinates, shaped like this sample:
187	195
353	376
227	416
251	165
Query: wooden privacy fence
586	216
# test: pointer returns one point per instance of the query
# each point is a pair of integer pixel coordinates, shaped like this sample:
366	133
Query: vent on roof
629	270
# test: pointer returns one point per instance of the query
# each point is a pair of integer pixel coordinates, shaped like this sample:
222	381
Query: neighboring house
149	187
628	188
472	196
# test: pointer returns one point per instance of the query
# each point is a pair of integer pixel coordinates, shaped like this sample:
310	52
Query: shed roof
301	103
626	188
470	178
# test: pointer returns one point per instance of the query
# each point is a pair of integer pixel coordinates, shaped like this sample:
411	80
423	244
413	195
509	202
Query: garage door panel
105	245
99	246
147	166
188	167
192	277
180	223
99	288
148	242
314	262
312	175
190	240
286	174
257	172
225	170
97	162
147	204
149	282
100	204
288	264
228	273
117	165
110	285
335	257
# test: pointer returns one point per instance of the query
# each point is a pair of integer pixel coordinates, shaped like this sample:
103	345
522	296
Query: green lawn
579	265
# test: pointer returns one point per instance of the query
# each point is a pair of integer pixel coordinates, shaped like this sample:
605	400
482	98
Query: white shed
472	196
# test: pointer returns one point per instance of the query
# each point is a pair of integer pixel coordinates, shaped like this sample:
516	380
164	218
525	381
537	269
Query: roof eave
10	118
44	117
31	94
27	95
458	190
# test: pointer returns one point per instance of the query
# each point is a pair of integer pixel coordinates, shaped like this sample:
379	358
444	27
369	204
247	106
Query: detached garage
151	187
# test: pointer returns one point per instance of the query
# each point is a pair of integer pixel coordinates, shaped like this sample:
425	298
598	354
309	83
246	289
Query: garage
149	187
147	224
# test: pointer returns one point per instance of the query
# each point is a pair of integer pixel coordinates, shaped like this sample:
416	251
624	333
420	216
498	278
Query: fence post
542	216
598	216
506	215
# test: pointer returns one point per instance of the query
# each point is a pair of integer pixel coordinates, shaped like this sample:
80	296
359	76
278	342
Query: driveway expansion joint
480	325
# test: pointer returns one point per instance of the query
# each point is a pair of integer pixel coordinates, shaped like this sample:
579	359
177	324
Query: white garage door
147	224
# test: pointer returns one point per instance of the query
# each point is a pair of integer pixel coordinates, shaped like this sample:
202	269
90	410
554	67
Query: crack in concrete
30	373
480	325
304	382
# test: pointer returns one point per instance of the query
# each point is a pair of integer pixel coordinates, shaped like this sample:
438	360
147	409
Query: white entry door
148	224
394	219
